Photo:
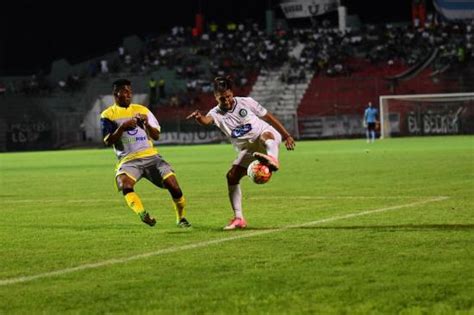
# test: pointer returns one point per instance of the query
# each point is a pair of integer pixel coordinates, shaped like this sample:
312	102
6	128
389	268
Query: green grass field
344	228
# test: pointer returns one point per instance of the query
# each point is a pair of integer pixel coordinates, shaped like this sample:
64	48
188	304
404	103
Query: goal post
426	114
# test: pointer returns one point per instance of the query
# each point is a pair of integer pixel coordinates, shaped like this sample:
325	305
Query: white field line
144	196
122	260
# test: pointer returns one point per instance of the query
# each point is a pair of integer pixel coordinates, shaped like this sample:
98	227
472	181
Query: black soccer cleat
183	223
145	216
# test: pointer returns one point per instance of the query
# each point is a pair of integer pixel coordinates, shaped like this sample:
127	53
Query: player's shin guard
134	202
179	205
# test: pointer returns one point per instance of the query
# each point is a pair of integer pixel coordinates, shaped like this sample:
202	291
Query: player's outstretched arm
200	119
272	120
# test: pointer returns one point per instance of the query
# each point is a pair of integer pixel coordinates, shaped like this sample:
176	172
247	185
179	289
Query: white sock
235	196
272	147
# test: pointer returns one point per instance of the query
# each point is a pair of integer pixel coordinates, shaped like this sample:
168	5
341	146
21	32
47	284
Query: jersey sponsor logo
132	132
241	130
243	112
134	140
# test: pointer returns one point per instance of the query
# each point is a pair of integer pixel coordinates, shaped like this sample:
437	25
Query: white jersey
241	124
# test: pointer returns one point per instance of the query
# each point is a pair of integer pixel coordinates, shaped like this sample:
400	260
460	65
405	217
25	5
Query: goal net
426	114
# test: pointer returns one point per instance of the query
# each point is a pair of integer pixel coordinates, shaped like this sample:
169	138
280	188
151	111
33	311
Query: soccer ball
259	173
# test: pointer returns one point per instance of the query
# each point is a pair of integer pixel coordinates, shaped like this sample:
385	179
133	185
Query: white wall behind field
92	119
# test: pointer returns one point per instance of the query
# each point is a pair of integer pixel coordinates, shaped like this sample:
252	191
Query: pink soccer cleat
236	223
268	160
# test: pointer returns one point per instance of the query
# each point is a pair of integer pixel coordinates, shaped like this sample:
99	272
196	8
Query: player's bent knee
125	183
267	136
232	178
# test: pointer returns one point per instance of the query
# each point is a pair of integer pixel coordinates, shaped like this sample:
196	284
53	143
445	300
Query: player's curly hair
222	83
118	84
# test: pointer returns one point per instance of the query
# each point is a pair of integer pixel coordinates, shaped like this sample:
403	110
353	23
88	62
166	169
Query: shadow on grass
404	227
220	229
170	229
166	228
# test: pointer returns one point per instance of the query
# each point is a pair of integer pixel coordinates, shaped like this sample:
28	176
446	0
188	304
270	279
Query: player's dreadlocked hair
118	84
222	84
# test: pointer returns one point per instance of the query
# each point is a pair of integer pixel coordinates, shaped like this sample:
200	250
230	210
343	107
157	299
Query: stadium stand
307	77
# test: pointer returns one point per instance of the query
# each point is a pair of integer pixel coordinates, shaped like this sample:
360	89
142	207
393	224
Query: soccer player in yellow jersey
130	128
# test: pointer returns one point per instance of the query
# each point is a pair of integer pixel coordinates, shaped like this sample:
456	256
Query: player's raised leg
235	196
272	148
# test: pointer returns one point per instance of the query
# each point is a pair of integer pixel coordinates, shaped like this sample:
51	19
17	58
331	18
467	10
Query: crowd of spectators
245	48
327	50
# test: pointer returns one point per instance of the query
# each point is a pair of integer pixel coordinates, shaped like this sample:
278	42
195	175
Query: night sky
32	33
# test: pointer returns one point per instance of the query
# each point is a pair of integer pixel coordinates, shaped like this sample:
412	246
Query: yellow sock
179	205
134	202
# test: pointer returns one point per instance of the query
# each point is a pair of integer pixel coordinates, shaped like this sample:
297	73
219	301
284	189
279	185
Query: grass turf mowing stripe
207	243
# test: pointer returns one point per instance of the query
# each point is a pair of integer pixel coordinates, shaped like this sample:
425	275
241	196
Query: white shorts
245	157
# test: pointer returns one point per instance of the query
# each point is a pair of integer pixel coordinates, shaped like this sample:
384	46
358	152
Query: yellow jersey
134	143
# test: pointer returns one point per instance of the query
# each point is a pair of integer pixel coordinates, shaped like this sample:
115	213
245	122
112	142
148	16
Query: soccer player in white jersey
253	131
